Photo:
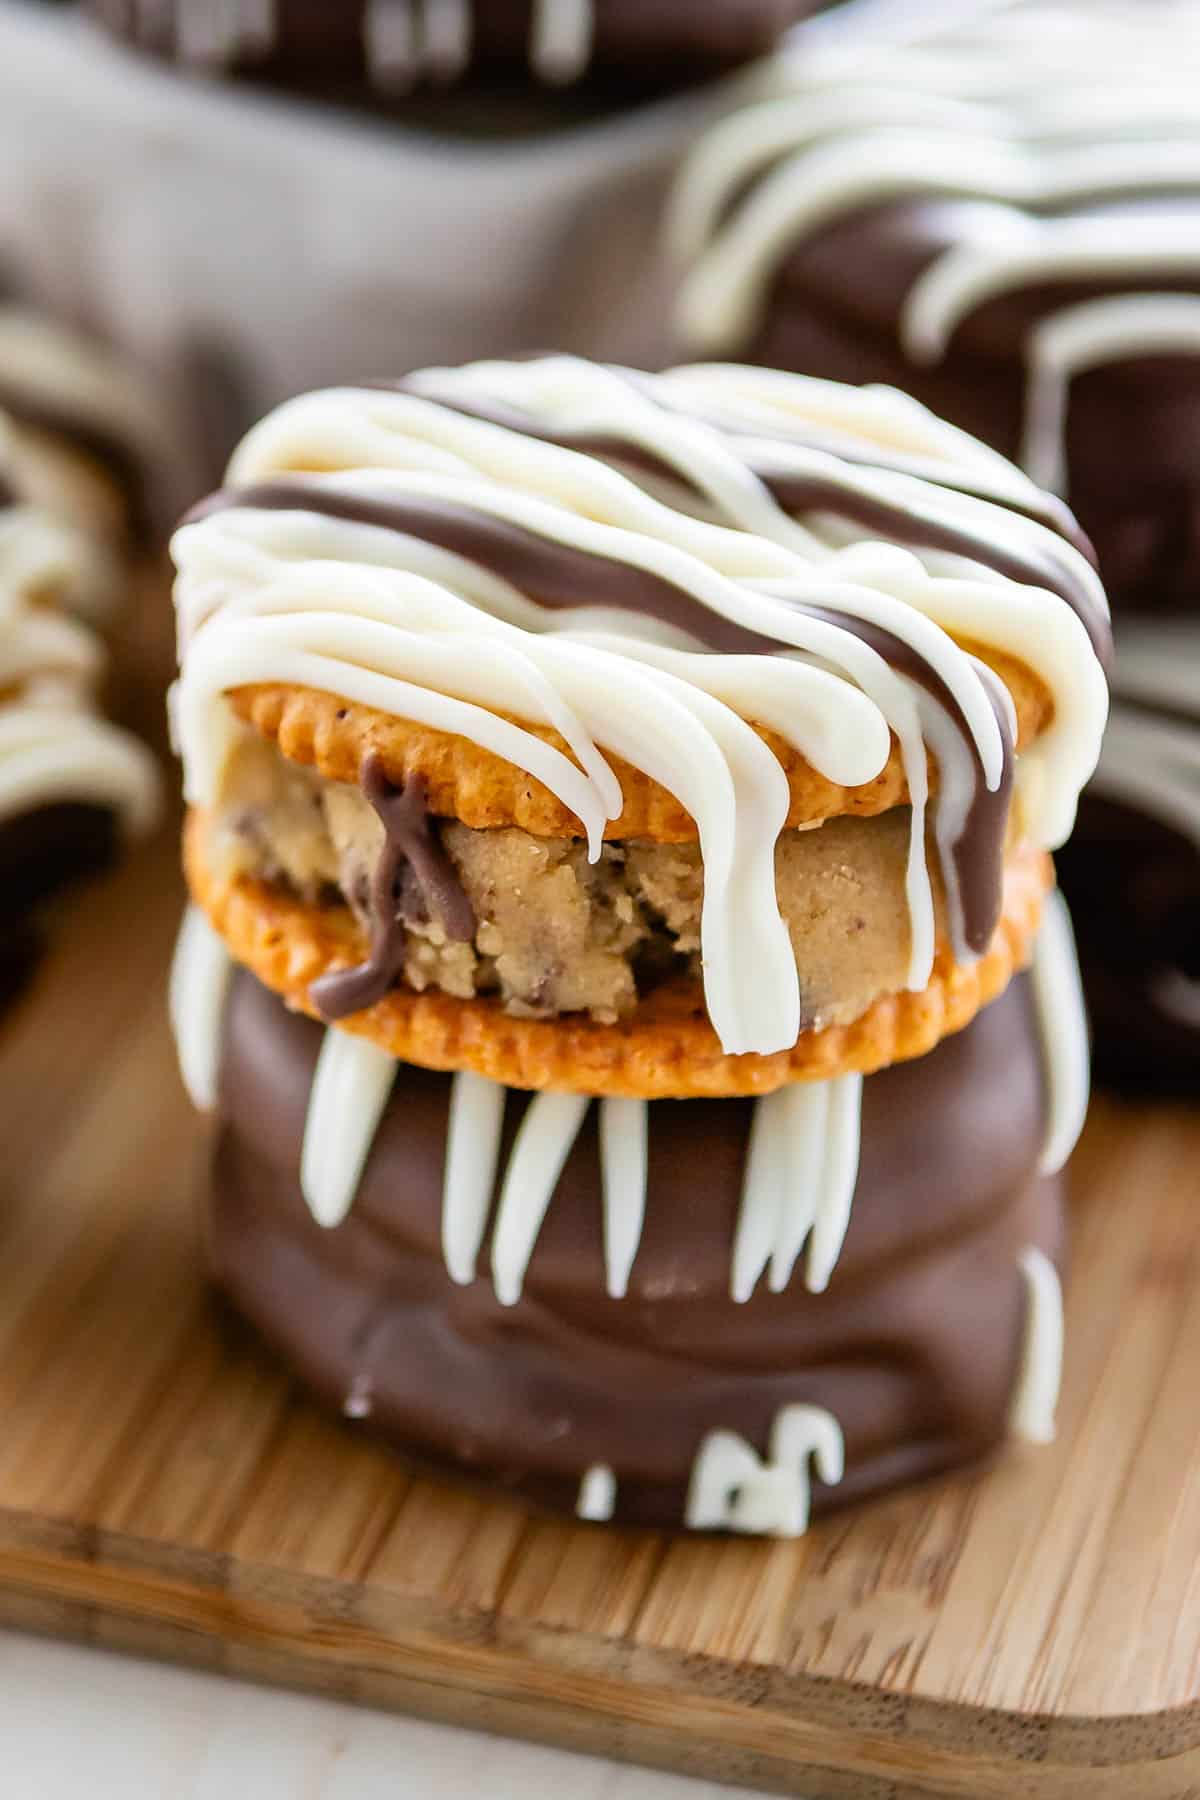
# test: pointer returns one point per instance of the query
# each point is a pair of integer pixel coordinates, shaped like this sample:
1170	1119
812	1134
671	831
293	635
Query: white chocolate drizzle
733	1489
1039	1379
201	971
476	1121
624	1133
1063	1030
1085	337
799	1186
350	1092
543	1143
300	587
1035	115
597	1494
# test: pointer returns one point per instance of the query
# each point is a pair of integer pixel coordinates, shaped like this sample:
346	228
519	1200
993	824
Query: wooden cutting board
1031	1630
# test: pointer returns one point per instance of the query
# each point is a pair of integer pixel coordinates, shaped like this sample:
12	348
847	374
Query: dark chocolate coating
41	852
318	45
1134	888
1133	427
914	1347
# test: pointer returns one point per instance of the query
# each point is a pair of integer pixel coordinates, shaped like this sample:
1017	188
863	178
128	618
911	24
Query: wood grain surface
1031	1629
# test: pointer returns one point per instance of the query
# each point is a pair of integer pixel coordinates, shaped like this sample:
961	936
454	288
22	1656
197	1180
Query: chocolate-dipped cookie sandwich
390	48
83	442
997	207
72	786
619	815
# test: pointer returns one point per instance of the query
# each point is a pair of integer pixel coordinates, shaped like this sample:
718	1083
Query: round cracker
666	1050
476	786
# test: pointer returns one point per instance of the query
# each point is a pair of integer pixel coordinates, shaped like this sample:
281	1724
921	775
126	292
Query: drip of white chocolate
476	1121
732	1489
201	971
597	1494
350	1092
1063	1030
1039	1378
801	1172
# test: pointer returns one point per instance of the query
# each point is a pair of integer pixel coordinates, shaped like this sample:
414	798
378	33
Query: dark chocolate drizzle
413	877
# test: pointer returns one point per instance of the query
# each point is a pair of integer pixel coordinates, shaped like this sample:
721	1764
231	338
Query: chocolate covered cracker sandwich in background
73	786
996	206
623	958
388	49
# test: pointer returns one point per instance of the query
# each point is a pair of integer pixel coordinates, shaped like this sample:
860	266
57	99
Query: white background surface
80	1724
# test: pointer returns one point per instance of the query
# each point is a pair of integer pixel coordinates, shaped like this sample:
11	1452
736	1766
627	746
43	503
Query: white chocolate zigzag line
732	1489
1009	111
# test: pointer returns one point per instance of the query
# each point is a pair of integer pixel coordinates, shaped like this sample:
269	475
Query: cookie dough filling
533	920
